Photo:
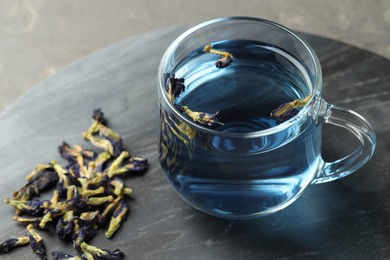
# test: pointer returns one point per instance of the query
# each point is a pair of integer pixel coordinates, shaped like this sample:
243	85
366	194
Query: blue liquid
240	178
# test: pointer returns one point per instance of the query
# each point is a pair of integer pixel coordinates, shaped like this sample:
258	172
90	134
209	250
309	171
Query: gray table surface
345	219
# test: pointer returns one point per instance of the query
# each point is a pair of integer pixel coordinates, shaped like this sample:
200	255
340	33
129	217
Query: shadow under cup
243	175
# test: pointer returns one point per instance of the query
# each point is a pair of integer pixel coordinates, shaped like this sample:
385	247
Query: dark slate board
346	219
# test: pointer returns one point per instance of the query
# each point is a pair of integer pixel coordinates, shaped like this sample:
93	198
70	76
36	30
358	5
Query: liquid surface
260	79
240	178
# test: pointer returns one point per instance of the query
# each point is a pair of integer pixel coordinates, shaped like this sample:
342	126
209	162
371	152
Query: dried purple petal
65	226
174	86
78	203
224	62
98	115
39	182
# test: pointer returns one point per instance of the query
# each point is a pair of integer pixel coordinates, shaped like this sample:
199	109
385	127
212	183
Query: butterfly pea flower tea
241	115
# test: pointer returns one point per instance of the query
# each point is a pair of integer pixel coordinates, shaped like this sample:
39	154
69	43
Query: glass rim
273	130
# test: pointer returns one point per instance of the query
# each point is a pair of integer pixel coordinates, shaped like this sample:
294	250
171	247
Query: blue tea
233	172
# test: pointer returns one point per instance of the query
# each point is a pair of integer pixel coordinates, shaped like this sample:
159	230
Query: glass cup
244	175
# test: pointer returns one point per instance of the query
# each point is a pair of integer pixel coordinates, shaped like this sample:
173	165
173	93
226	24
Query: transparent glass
244	175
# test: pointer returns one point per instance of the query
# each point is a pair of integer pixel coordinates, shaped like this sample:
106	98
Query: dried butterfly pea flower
114	147
27	220
95	201
39	181
61	255
200	117
36	242
288	110
134	164
89	219
10	244
65	226
85	193
174	86
94	253
38	169
225	61
108	210
71	192
116	219
101	160
116	163
33	207
119	187
85	234
98	125
77	157
79	204
72	153
48	217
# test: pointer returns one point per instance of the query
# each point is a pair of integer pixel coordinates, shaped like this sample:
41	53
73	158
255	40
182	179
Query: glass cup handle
361	129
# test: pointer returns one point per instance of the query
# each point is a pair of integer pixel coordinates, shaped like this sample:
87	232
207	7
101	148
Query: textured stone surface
39	37
346	219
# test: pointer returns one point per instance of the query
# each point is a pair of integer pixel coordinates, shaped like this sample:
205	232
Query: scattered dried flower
85	196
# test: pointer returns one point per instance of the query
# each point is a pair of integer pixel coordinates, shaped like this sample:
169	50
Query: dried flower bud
174	86
118	185
27	220
92	252
116	219
10	244
65	226
108	210
98	116
85	193
39	168
200	117
46	219
115	164
39	181
83	235
290	109
225	61
134	164
99	200
72	153
33	207
89	219
36	242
